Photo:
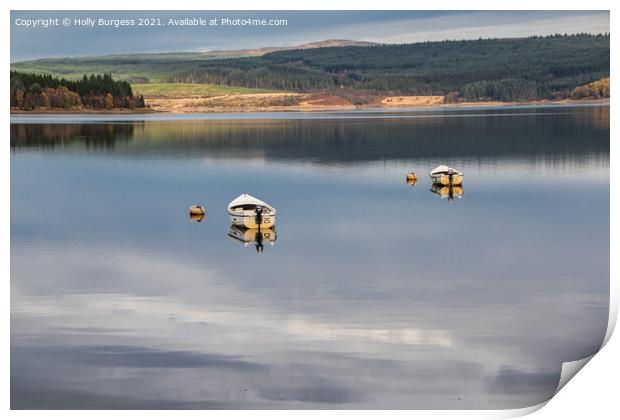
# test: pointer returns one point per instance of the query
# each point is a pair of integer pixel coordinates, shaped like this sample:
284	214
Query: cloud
318	394
144	357
475	25
26	395
305	26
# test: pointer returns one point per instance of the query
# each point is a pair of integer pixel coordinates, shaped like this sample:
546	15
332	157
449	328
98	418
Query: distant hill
484	69
155	66
332	43
257	52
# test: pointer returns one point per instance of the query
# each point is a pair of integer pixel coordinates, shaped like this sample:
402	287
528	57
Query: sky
302	26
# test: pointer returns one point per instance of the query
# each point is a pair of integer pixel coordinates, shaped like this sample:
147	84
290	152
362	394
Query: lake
370	292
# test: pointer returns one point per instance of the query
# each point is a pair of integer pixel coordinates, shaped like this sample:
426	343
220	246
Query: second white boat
444	175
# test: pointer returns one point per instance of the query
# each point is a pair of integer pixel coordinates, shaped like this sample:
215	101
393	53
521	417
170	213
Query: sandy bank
304	103
297	102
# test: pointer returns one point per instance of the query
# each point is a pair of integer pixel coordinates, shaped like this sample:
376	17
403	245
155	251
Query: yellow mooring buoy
411	178
197	213
196	217
197	210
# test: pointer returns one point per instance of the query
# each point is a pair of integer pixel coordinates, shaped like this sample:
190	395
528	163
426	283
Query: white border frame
592	394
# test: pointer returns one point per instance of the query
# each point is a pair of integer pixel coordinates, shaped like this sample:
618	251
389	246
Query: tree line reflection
572	133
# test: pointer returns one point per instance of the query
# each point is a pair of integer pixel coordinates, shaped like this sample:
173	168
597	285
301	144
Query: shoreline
309	108
119	111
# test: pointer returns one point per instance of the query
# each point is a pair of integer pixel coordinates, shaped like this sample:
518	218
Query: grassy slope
183	90
152	67
149	67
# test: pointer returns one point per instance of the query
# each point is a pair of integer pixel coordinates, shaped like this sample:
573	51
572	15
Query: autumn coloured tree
42	91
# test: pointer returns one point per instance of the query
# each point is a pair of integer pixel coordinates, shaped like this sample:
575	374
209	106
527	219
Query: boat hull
250	222
444	179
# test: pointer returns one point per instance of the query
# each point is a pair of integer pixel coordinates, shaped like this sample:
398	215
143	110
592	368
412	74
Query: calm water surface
375	294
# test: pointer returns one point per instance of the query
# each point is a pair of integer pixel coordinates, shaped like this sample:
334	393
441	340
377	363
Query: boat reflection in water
197	218
258	236
448	191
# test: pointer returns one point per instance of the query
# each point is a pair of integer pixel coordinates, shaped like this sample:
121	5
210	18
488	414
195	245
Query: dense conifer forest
485	69
42	91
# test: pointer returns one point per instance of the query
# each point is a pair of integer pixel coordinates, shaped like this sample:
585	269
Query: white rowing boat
251	212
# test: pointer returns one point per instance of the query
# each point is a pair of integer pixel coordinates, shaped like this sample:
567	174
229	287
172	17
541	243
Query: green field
184	90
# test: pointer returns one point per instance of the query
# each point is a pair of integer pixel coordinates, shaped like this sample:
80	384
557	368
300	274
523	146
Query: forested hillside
497	69
152	67
32	91
485	69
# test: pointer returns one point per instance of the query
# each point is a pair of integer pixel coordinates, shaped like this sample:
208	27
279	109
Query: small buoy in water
196	217
411	176
197	209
